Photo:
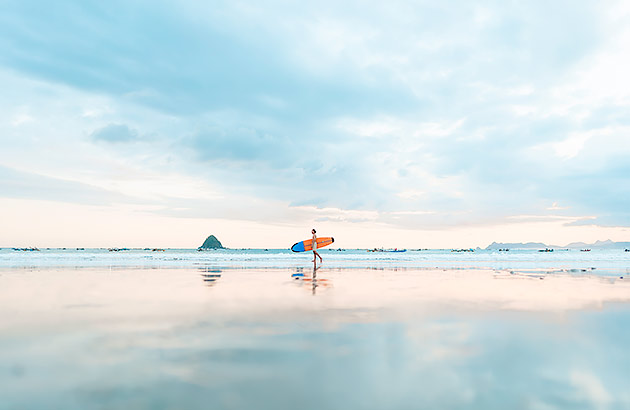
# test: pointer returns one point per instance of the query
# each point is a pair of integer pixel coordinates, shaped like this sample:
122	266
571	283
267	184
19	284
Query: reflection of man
314	283
310	282
315	253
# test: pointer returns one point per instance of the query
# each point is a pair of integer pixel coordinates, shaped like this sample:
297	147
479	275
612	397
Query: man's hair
314	230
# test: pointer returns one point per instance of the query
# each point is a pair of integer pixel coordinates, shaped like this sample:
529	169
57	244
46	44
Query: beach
200	332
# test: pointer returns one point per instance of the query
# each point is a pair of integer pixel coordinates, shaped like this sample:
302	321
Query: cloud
556	207
26	185
591	389
426	115
115	133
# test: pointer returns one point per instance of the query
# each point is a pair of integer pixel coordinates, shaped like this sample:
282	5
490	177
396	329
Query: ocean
598	262
265	329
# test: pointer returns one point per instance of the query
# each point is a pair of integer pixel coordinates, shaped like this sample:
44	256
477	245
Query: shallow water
600	262
395	336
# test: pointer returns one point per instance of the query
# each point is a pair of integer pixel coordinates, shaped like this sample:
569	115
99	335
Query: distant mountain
211	242
608	244
528	245
577	245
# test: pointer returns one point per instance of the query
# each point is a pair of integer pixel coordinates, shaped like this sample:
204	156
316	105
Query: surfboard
307	245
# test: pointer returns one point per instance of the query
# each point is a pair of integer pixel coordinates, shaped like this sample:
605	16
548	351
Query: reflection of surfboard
307	244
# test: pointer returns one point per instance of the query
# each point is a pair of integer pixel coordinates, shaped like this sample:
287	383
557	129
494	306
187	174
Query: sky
400	123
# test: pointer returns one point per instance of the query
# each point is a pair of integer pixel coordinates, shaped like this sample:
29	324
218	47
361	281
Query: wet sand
281	338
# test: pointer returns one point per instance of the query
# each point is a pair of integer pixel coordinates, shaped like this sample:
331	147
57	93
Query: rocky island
211	242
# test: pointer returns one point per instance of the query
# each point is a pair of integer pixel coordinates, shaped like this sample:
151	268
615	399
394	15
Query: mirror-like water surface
168	336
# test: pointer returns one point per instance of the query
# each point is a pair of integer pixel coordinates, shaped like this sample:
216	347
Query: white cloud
20	119
523	110
409	130
570	147
411	194
556	207
590	387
